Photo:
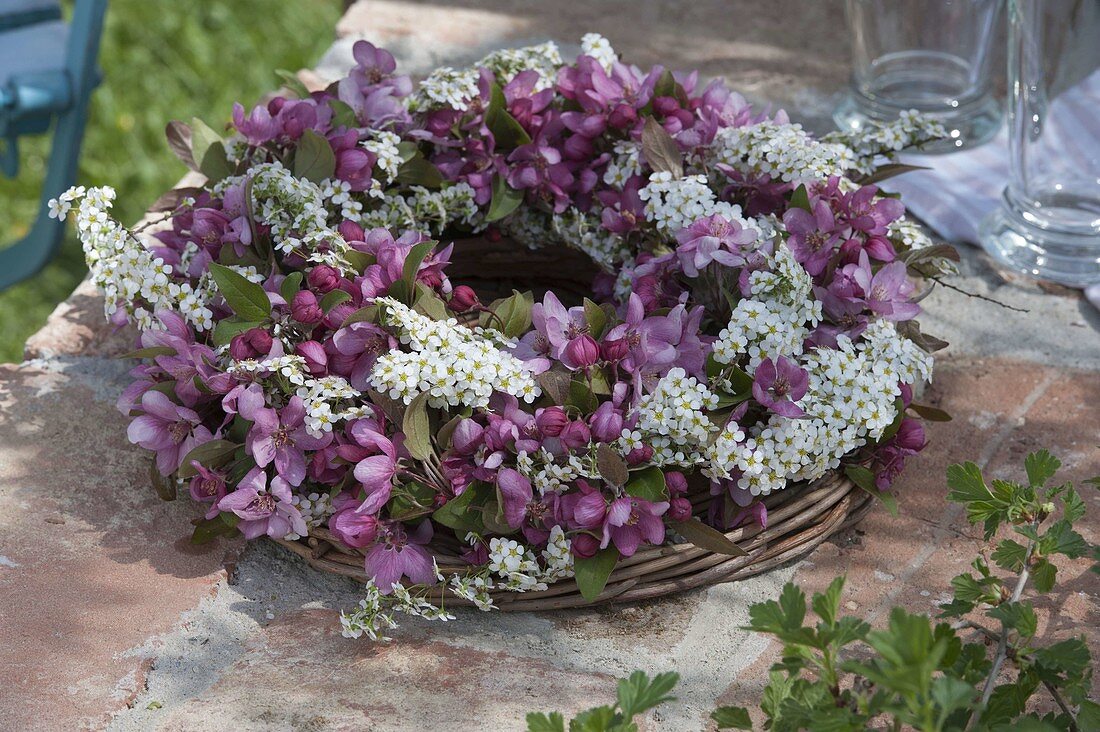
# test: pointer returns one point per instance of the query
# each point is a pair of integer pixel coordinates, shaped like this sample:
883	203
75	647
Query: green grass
161	61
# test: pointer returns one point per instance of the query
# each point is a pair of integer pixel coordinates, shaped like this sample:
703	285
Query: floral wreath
306	362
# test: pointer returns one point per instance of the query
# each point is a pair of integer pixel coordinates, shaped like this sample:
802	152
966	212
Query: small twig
976	295
1062	703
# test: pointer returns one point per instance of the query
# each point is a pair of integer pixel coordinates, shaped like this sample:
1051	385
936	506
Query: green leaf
706	537
865	479
292	83
428	303
648	484
598	719
178	135
889	171
314	159
732	718
581	397
507	132
332	299
827	604
539	722
1041	467
418	171
638	694
779	617
410	501
592	572
413	260
1074	505
150	352
461	512
415	425
215	163
801	199
358	260
165	487
596	318
291	285
932	414
206	530
212	454
513	314
1043	574
505	200
247	299
660	150
1010	555
342	114
1060	538
1018	616
226	329
203	137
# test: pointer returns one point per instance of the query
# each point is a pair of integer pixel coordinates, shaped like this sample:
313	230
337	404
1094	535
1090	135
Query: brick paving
125	624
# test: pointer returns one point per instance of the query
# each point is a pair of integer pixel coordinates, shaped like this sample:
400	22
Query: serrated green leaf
314	159
505	200
1041	467
211	454
1061	538
1074	505
415	426
827	604
648	484
732	718
1043	574
592	572
598	719
1016	615
539	722
638	693
1010	555
247	299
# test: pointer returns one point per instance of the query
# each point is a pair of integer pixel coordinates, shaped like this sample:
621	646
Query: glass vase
928	55
1048	224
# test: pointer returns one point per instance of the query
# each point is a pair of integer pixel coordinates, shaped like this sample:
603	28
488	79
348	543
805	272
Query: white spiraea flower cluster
421	209
320	396
626	161
294	209
291	368
781	151
129	275
455	365
547	475
673	419
375	614
851	399
545	58
446	87
529	227
384	145
673	203
315	509
776	319
910	129
584	232
599	48
514	568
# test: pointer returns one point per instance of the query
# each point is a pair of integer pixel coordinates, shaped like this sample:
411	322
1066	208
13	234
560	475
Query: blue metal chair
47	74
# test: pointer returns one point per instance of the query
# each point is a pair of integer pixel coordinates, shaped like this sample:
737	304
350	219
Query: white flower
599	48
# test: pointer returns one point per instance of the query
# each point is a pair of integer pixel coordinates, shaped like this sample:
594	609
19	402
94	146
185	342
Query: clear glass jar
928	55
1048	224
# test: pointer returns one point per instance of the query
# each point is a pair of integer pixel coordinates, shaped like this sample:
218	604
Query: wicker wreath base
799	519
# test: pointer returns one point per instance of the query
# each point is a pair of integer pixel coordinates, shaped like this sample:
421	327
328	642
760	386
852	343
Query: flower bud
614	350
463	298
676	483
315	356
679	509
250	344
575	435
467	437
354	529
551	421
323	278
585	546
351	231
304	308
581	352
639	455
606	423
